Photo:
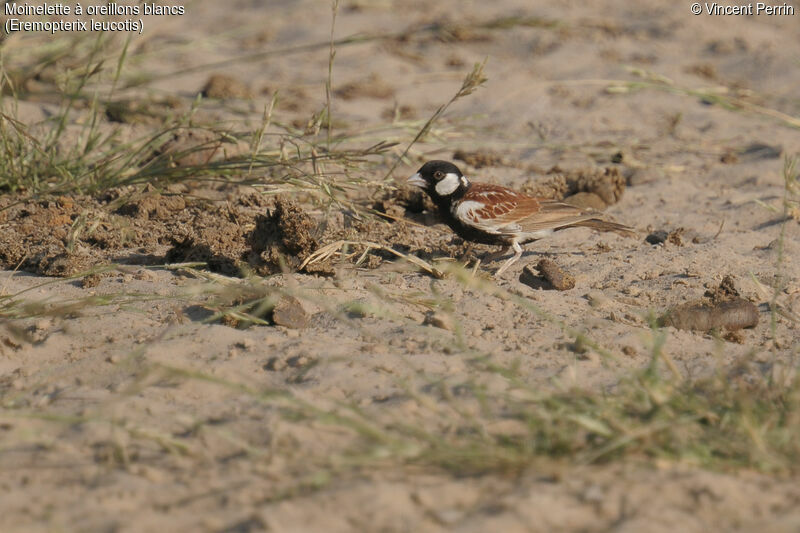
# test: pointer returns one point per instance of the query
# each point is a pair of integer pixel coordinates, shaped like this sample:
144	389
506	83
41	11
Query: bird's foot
513	259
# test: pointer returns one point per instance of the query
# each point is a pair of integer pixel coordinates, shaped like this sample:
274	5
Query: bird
491	214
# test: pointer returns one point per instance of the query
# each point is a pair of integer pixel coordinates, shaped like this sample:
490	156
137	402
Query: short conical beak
417	180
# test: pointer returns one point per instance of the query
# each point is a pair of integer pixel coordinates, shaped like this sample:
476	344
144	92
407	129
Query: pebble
289	312
597	299
593	494
246	344
298	361
440	320
630	351
42	324
275	364
144	275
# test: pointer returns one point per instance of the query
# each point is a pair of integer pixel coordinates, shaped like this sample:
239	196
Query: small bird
491	214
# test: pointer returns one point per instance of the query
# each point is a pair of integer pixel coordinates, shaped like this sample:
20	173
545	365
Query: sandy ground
160	449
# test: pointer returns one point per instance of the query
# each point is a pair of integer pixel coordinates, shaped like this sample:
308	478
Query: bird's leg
512	260
488	258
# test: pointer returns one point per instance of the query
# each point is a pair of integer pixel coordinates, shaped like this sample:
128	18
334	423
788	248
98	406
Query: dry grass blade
472	81
718	96
327	251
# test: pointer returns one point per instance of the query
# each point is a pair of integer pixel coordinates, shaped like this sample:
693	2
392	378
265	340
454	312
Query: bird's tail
603	225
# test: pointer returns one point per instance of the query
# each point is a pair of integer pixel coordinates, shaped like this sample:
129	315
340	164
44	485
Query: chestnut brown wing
502	211
494	209
553	215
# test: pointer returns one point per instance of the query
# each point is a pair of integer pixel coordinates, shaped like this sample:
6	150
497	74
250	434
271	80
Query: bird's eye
438	174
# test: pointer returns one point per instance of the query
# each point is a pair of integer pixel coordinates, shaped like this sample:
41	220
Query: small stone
289	312
630	351
415	316
298	361
593	494
246	344
144	275
439	320
597	299
631	290
729	157
650	275
657	237
151	474
586	200
275	364
223	87
43	324
579	346
447	517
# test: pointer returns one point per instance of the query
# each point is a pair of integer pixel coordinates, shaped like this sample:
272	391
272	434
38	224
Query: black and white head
440	179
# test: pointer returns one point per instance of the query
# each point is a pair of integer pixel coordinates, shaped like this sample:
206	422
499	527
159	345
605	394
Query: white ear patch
448	184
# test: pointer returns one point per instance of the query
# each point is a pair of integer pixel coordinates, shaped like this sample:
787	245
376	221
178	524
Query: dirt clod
676	237
64	264
404	198
145	112
440	320
223	87
282	239
723	309
372	87
586	200
153	206
275	364
555	187
190	147
606	184
561	280
480	159
213	238
90	281
730	315
554	276
725	291
735	336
